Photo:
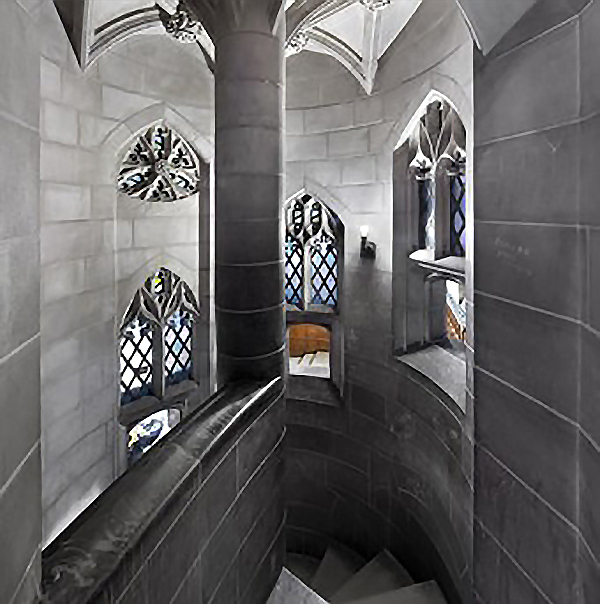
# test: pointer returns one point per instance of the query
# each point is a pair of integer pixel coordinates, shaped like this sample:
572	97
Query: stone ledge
447	371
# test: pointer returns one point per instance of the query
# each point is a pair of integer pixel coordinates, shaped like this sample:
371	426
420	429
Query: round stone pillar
249	169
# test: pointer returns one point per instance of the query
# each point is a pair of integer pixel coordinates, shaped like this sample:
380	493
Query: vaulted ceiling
356	32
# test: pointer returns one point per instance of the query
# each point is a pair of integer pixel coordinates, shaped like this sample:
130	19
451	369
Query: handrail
83	558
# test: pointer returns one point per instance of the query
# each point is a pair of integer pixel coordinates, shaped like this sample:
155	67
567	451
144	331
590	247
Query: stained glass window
136	360
427	214
458	225
144	435
157	337
178	347
159	166
311	254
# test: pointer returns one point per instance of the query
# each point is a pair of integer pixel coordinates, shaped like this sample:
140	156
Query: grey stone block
507	189
528	529
524	347
589	49
20	500
543	447
543	267
516	106
19	205
20	388
589	493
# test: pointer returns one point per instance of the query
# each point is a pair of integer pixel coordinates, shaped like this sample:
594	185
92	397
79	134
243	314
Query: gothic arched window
438	171
156	349
312	249
159	166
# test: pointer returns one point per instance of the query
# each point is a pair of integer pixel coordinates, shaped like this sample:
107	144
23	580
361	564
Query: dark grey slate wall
537	462
213	491
388	467
20	479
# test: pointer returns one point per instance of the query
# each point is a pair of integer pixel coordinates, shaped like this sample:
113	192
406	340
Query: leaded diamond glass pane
458	225
324	273
136	361
178	347
294	272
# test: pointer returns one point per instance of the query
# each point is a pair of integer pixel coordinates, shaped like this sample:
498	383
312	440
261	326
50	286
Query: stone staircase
343	577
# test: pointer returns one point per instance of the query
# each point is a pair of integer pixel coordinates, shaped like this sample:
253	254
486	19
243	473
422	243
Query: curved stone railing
387	467
198	519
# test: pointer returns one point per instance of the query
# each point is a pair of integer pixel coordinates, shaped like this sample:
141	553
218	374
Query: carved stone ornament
374	5
181	25
159	166
297	43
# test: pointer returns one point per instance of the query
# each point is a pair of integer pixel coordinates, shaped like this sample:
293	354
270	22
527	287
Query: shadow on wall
386	469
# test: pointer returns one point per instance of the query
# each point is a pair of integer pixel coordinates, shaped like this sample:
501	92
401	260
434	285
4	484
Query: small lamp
368	249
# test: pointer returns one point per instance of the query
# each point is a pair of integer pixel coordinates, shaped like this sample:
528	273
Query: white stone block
348	142
119	104
59	358
299	148
368	110
65	202
361	199
158	232
99	271
103	201
379	135
60	163
60	397
62	279
50	80
294	121
93	130
327	173
325	119
360	170
67	241
124	233
59	123
81	92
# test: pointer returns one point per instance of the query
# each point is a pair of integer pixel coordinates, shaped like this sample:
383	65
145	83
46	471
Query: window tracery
311	254
437	130
160	166
157	337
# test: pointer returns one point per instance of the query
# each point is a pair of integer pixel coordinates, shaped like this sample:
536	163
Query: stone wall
97	247
20	517
537	459
200	520
340	146
388	468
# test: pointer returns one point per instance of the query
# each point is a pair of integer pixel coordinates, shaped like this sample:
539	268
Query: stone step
290	590
303	566
423	593
382	574
338	566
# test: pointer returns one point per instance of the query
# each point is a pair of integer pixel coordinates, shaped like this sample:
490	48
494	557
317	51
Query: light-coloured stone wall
20	516
98	247
340	143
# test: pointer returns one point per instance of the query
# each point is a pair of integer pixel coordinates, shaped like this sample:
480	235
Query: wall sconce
368	249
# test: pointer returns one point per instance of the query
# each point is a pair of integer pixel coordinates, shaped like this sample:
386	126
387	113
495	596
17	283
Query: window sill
446	370
452	267
139	409
315	317
311	389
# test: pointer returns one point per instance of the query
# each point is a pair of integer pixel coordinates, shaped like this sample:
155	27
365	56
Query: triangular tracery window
159	166
157	337
312	248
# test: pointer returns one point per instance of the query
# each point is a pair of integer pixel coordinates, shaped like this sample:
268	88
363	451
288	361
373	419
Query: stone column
249	97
